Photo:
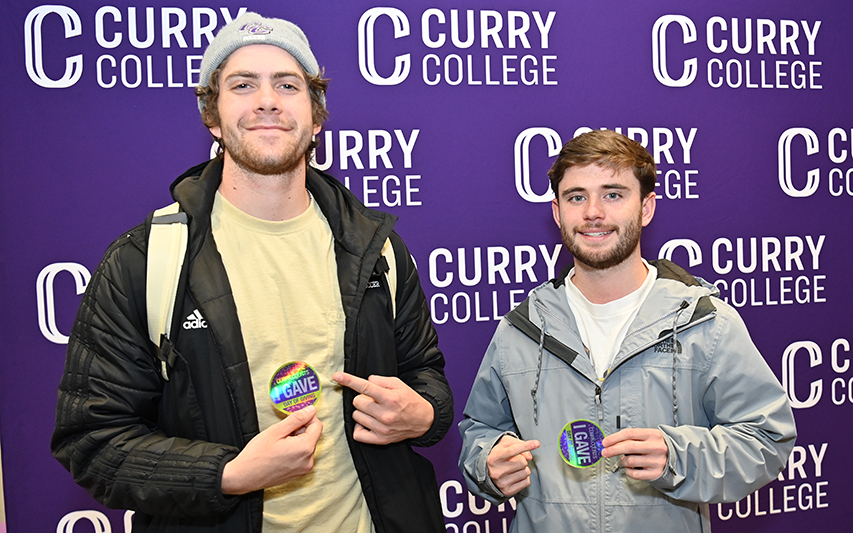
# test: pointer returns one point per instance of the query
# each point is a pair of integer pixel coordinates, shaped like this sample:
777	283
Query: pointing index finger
515	448
359	385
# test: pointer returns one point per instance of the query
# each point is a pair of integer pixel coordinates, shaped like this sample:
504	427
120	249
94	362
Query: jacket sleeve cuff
667	480
224	502
442	420
484	480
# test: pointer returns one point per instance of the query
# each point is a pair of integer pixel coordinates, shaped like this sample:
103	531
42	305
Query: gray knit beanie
251	28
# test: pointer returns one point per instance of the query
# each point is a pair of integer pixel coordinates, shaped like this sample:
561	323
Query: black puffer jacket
135	441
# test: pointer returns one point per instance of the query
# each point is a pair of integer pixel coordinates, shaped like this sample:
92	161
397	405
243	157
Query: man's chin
275	168
599	260
267	164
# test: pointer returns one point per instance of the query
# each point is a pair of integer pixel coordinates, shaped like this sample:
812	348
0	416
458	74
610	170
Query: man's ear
555	209
649	204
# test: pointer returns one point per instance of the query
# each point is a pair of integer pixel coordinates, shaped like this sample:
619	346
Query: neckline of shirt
233	214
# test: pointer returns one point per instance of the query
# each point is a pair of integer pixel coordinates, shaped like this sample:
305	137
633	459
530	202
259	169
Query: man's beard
247	157
628	240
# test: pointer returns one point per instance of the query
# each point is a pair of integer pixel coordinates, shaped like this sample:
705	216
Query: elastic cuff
483	478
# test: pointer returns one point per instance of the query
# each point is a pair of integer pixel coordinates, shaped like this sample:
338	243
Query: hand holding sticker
644	452
294	386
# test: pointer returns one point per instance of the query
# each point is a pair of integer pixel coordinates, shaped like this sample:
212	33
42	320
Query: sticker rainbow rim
580	443
294	386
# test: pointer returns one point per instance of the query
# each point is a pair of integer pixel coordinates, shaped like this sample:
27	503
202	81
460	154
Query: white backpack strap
167	246
391	274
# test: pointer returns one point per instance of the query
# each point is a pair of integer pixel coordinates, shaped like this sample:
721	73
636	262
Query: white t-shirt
603	326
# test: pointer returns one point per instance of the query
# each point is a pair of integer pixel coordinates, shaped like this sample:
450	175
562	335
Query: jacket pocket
632	492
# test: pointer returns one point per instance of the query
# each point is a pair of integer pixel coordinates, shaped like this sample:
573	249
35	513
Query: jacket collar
355	227
679	284
677	300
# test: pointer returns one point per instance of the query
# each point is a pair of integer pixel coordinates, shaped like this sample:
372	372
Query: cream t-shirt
285	284
603	326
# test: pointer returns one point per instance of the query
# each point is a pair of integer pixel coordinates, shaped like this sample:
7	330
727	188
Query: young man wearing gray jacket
641	352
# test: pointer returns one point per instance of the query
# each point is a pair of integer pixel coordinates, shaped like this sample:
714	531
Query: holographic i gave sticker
580	443
294	386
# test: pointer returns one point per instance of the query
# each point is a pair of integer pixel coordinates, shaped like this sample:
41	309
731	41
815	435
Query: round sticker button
294	386
580	443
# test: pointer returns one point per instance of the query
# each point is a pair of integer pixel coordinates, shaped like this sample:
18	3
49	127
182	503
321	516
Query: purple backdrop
448	117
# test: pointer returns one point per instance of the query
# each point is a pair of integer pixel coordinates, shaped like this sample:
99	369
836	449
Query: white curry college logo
781	56
826	162
167	45
33	46
46	299
759	271
470	47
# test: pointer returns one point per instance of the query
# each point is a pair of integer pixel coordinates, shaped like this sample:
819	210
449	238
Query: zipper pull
598	402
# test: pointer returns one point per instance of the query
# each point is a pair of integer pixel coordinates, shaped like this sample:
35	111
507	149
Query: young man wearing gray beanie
288	284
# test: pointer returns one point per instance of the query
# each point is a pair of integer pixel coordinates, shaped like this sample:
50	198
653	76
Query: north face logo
195	321
666	347
374	284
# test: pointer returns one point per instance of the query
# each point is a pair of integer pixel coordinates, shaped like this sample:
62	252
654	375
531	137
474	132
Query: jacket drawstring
681	308
535	388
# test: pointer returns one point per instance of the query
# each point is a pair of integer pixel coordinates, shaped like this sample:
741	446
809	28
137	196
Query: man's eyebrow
574	190
252	75
243	74
287	74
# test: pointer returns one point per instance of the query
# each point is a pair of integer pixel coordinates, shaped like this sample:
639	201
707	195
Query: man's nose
593	209
266	99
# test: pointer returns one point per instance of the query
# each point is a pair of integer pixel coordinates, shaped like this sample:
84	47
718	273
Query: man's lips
267	127
596	232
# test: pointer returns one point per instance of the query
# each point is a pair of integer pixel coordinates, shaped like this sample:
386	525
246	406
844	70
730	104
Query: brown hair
606	149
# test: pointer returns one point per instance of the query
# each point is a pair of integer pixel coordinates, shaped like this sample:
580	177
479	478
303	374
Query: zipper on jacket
598	409
600	475
600	466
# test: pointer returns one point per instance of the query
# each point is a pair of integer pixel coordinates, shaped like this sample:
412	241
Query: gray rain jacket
687	366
